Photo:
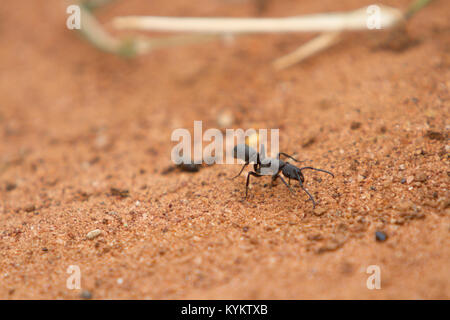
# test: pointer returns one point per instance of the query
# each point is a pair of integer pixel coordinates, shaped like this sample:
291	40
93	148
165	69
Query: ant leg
288	156
255	168
321	170
289	181
243	167
304	189
273	179
285	183
251	173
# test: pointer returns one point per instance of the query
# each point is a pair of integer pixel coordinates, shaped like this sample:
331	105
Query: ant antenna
321	170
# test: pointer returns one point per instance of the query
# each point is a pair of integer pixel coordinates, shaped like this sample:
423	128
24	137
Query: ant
273	167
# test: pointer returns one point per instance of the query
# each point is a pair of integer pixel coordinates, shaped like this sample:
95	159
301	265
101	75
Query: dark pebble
123	193
10	186
380	236
168	170
85	294
403	181
355	125
189	167
30	208
309	142
435	135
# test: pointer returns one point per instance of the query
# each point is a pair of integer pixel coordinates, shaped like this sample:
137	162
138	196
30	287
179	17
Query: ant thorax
270	166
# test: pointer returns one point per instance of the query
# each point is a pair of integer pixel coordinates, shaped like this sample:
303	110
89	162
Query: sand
85	142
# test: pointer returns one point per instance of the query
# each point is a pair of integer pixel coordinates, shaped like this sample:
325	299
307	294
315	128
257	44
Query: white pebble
93	234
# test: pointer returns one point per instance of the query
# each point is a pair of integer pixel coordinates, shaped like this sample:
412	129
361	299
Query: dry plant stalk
94	32
323	41
326	40
329	24
336	21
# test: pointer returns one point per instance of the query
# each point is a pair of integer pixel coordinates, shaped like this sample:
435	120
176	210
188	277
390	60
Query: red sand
76	122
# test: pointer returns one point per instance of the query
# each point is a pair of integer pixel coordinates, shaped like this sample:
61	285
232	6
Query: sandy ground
85	142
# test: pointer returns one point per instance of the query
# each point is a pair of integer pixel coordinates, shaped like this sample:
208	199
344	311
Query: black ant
273	167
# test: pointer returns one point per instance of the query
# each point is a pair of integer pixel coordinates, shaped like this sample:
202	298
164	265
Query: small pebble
402	167
380	236
10	186
30	208
421	177
355	125
315	237
93	234
189	167
85	294
403	181
434	135
404	206
409	179
319	211
122	193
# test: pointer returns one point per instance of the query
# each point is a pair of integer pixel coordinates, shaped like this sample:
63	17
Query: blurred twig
330	24
94	32
336	21
326	40
321	42
94	4
415	7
